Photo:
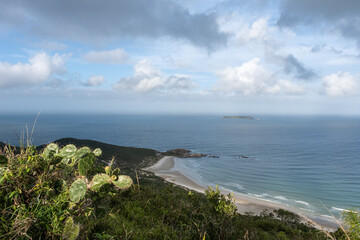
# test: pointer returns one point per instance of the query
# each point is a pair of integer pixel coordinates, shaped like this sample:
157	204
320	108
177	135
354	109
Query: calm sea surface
297	161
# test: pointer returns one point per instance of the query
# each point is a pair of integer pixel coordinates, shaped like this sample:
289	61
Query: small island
239	117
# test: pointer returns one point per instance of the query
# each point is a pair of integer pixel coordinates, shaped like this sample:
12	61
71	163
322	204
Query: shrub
352	224
42	194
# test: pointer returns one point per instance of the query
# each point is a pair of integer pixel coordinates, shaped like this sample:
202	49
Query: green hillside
62	192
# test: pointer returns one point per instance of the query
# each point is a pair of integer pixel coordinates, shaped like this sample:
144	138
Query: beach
166	169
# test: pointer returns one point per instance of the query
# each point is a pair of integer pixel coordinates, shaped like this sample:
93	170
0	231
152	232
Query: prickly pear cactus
97	152
77	190
50	150
98	181
86	163
71	230
66	160
81	153
68	151
123	182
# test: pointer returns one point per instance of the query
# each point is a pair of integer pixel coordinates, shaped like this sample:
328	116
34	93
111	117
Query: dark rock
183	153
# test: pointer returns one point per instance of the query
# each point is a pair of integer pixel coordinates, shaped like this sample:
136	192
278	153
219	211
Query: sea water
308	162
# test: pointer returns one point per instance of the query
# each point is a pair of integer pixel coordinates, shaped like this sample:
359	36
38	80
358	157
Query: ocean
308	162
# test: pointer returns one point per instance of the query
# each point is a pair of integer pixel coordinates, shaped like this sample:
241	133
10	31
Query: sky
237	57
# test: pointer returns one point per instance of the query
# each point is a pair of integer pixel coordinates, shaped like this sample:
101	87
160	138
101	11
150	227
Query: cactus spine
77	190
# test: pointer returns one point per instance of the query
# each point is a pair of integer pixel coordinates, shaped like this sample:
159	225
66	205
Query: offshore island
239	117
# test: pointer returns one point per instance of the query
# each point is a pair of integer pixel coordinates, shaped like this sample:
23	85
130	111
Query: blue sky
180	57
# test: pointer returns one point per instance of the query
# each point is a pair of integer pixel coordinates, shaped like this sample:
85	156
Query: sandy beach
166	169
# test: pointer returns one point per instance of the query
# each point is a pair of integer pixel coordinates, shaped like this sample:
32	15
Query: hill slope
124	156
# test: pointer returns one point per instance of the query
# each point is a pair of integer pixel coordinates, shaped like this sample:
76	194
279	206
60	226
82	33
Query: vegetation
124	156
46	193
351	230
40	194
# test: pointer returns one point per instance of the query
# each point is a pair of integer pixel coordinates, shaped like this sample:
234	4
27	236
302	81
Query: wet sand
165	168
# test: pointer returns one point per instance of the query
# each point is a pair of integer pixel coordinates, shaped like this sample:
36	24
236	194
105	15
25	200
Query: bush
352	224
48	195
40	194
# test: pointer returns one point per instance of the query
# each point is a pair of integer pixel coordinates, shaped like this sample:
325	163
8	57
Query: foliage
77	190
125	156
35	198
71	230
351	220
36	202
221	204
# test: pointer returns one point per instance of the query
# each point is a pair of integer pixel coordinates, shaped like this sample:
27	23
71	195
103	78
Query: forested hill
124	156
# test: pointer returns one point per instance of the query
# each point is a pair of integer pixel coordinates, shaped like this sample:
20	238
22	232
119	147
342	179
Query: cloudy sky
180	56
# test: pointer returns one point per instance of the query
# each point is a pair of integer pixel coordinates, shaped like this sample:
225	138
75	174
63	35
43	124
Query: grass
34	203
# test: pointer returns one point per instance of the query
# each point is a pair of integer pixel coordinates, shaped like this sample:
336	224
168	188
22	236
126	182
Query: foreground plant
351	219
42	194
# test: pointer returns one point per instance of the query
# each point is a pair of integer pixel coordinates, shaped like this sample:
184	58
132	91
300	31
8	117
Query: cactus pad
68	151
97	152
71	230
86	163
50	151
77	190
98	181
123	182
81	153
65	161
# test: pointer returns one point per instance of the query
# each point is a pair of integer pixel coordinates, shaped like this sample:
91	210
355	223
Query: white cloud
341	83
114	56
149	79
94	81
259	30
37	70
246	32
251	78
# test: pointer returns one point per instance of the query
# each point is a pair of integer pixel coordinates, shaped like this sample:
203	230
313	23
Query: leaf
98	181
50	151
81	153
77	190
123	182
86	163
71	230
97	152
68	151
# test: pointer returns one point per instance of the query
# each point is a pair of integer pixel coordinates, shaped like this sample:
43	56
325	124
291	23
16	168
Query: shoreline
165	168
